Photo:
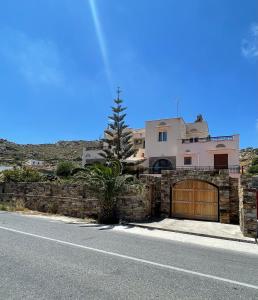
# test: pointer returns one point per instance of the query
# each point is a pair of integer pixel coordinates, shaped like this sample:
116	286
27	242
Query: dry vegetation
15	154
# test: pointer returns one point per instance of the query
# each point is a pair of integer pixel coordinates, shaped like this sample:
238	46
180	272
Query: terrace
208	139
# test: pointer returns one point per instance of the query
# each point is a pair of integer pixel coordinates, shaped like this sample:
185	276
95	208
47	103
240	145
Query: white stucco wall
175	130
202	153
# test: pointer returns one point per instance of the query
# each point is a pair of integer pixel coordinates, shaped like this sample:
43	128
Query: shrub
22	175
255	161
254	167
64	169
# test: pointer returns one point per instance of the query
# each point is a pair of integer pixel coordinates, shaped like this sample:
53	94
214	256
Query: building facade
170	144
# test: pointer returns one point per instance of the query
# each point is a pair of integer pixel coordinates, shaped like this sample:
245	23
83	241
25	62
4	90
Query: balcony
208	139
232	169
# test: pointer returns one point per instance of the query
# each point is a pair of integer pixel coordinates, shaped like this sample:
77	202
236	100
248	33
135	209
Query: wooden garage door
195	199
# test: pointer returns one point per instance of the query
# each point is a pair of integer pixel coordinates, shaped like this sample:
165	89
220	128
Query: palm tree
107	182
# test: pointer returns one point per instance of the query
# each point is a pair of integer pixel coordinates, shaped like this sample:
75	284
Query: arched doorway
162	164
195	199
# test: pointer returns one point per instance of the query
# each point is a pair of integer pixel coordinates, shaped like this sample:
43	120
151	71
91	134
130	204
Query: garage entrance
195	199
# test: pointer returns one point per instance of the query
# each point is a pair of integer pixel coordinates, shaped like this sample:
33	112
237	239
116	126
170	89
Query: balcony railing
208	139
232	169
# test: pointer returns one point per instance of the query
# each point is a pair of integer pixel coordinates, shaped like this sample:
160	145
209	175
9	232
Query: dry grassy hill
13	154
247	155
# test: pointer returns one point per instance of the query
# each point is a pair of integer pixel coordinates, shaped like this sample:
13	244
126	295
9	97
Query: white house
172	143
3	168
34	163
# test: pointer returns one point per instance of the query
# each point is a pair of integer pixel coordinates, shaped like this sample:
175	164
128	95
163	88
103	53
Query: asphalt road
44	259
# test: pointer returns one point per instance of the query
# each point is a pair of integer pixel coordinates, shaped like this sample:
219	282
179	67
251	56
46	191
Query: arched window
162	164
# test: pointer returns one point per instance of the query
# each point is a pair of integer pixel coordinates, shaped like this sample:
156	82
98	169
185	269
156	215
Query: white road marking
144	261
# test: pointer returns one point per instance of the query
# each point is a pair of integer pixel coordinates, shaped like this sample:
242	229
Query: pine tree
118	137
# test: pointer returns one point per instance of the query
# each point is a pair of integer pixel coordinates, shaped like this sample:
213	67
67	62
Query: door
221	161
195	199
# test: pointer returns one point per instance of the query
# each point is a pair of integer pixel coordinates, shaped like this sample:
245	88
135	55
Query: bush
22	175
254	167
64	169
255	161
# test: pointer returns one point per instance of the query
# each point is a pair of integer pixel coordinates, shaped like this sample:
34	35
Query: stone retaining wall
248	209
235	200
72	200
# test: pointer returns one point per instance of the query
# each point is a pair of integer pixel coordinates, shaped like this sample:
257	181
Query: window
187	160
163	136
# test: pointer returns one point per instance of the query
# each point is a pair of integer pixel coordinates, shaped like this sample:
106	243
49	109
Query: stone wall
234	200
72	200
248	209
153	183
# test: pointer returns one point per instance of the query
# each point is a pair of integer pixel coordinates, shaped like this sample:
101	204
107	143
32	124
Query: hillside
12	153
246	156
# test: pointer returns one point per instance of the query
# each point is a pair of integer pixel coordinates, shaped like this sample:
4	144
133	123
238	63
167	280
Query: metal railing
208	139
233	169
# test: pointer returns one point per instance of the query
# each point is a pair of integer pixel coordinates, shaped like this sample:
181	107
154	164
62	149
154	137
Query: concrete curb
192	233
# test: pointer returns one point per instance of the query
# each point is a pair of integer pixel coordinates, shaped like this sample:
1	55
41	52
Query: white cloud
36	59
249	47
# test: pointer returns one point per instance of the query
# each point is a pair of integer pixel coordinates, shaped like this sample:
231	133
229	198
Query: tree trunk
107	214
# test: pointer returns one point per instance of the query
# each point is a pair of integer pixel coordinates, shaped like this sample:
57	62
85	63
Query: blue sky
62	60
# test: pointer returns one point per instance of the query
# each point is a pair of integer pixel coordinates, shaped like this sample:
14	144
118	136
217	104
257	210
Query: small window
163	136
187	160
